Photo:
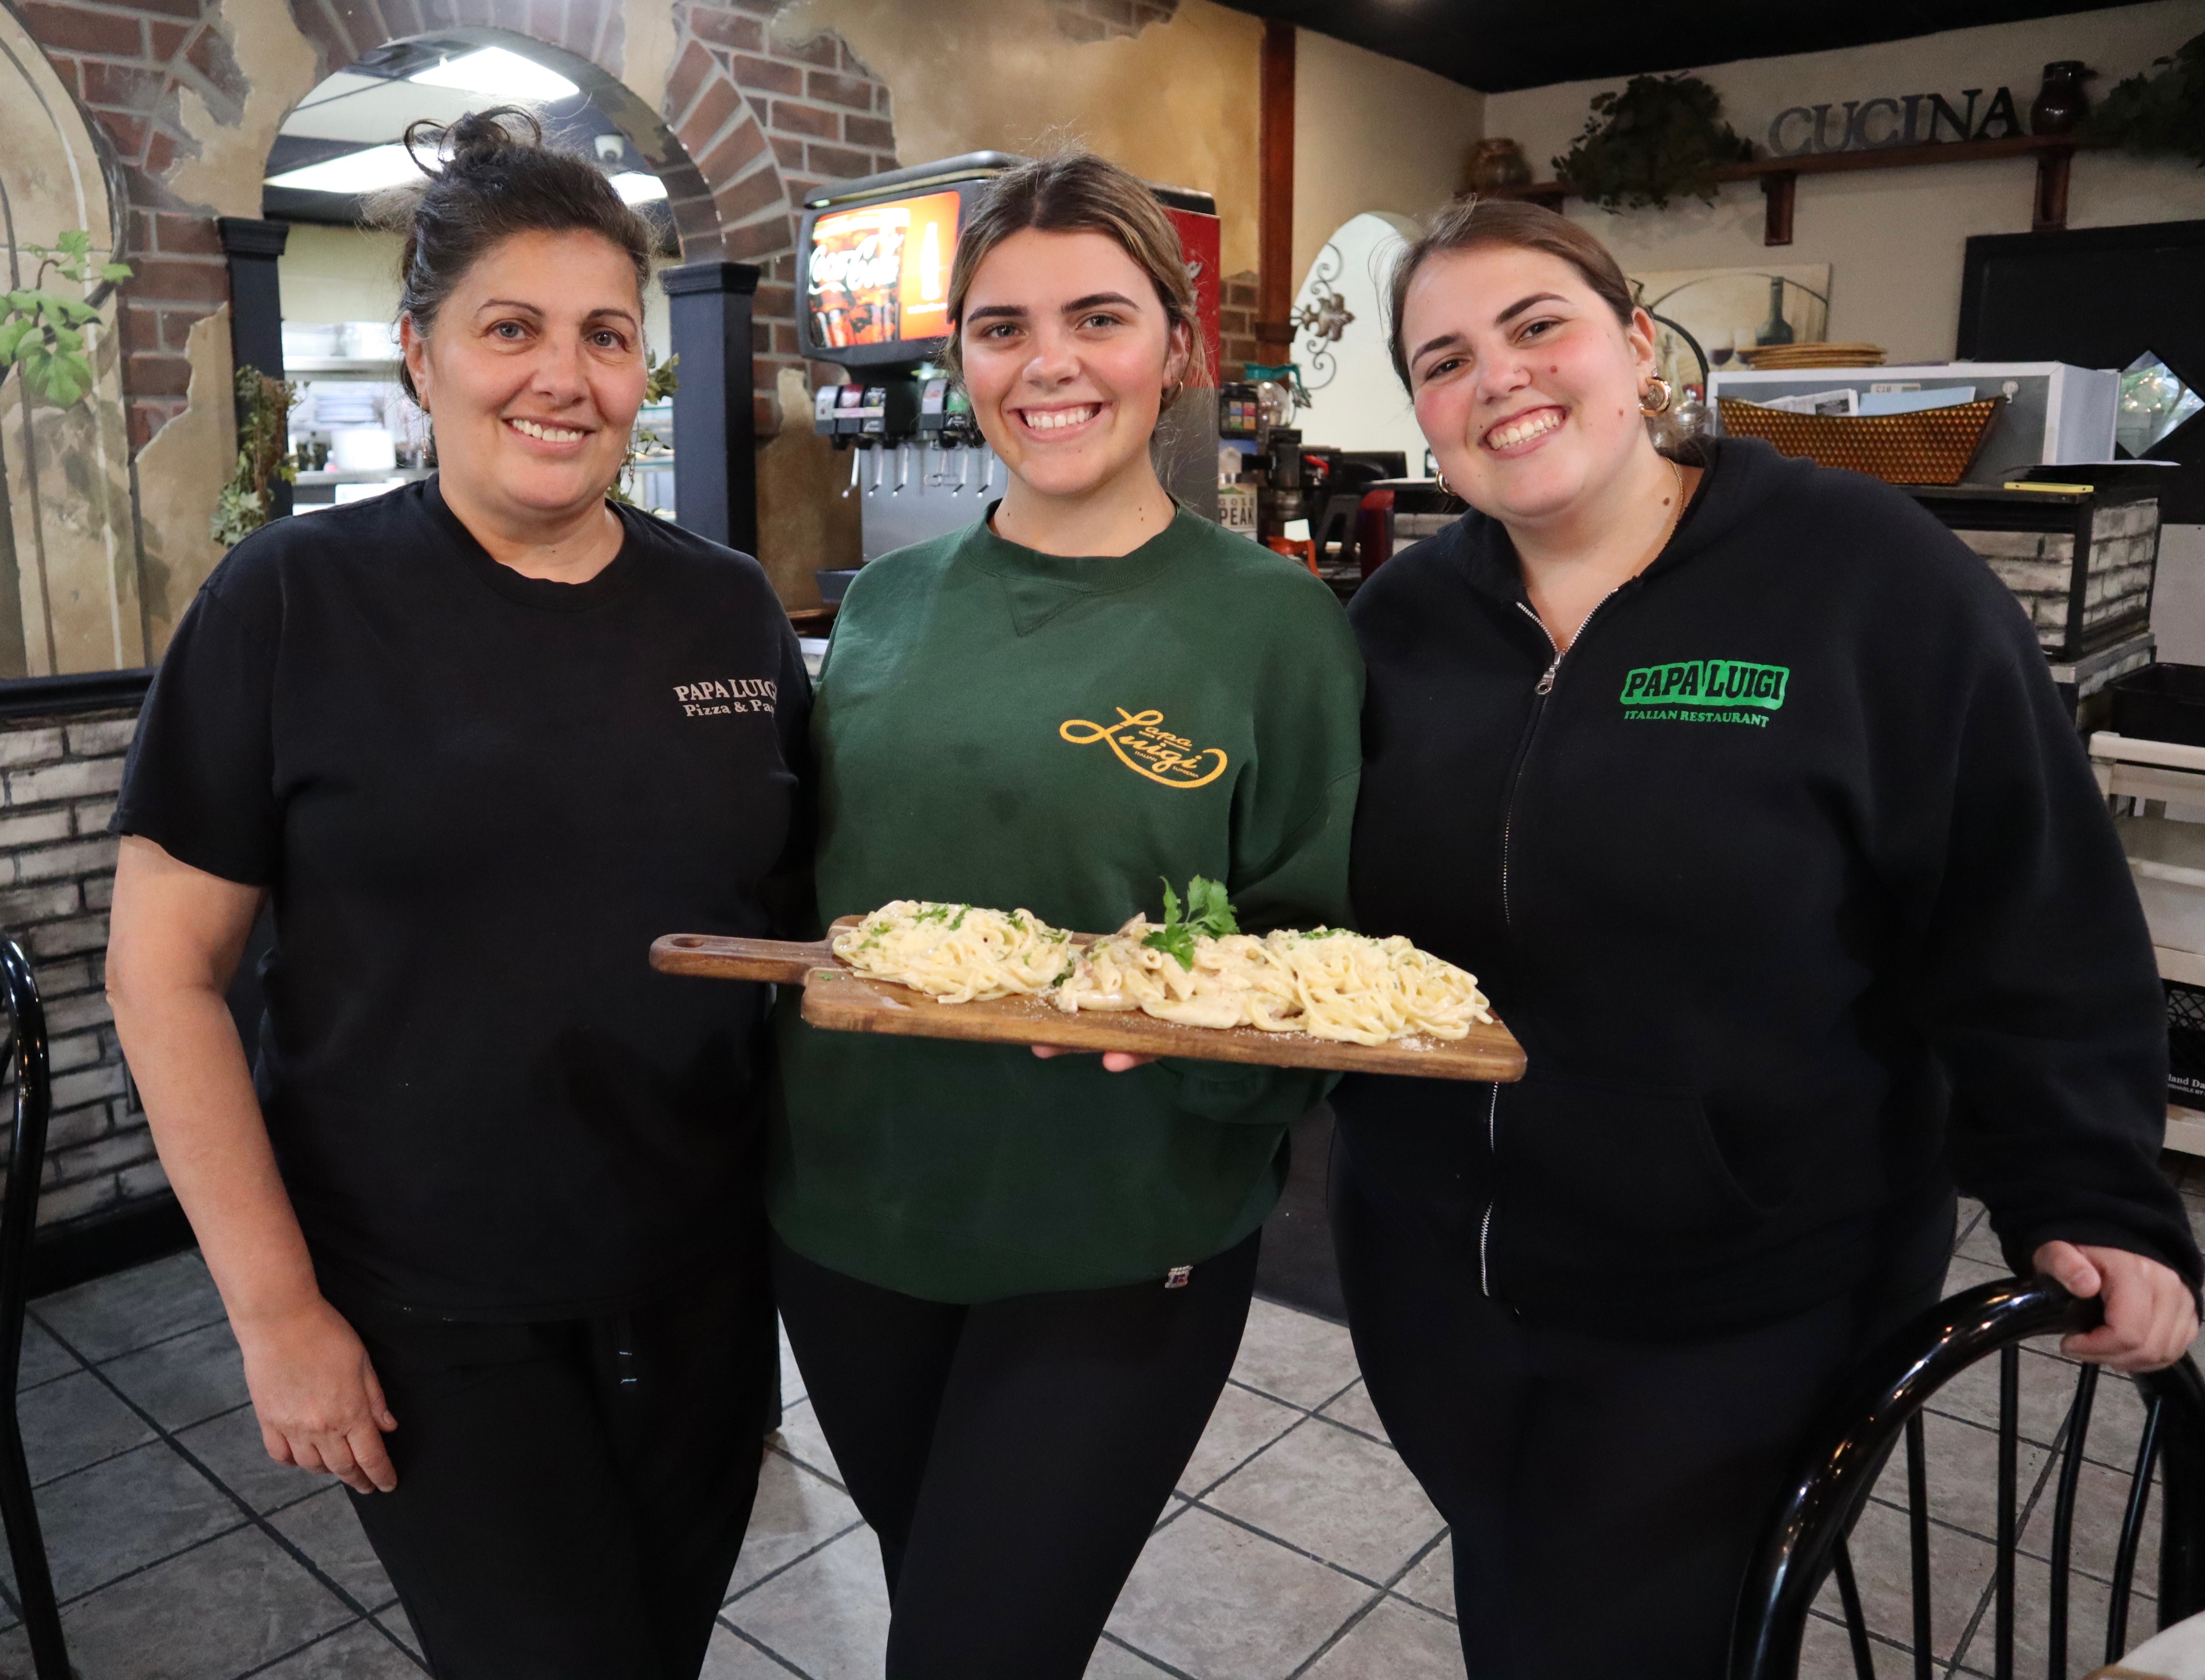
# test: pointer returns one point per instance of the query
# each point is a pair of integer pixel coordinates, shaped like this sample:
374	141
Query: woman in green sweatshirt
1015	1285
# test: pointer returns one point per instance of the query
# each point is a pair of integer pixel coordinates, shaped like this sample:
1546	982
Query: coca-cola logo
874	261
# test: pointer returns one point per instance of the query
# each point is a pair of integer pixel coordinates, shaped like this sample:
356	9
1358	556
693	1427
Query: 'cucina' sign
1909	119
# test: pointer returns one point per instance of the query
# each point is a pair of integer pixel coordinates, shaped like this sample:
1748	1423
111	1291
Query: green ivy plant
2158	115
663	380
1661	138
42	332
264	426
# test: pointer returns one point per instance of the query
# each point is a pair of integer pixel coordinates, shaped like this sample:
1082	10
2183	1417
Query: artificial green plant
264	425
2158	115
1660	138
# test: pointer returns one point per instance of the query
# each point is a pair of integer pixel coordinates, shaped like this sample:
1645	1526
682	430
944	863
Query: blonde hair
1079	192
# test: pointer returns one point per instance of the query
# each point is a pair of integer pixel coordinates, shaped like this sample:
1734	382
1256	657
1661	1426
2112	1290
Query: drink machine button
823	402
850	410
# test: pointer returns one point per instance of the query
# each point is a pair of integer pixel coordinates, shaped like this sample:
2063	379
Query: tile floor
1298	1546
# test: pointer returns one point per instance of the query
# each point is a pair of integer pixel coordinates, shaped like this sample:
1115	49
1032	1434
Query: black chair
1807	1541
25	1054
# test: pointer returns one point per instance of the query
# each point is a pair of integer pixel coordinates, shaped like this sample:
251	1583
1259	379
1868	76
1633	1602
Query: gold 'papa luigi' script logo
1146	748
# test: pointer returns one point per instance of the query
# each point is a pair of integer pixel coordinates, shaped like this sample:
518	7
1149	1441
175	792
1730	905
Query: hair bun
478	141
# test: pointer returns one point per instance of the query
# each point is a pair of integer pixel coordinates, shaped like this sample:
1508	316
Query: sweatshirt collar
1094	574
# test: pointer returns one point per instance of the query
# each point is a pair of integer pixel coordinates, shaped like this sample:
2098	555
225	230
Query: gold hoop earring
1656	397
1446	489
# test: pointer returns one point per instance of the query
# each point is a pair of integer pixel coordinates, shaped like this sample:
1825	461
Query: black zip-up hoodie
1791	877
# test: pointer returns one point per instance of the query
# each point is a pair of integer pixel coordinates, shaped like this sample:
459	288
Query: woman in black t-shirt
487	1228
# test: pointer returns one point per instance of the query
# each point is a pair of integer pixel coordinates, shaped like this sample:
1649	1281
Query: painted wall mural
70	594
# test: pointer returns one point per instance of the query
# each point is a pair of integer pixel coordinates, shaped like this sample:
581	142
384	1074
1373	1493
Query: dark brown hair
1079	192
1469	224
498	178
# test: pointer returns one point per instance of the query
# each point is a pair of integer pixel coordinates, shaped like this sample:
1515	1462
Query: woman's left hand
2151	1316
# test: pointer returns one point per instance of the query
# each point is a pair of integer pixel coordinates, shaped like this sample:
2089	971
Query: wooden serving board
837	999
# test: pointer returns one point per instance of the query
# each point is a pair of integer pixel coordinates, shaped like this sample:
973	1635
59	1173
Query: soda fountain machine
875	256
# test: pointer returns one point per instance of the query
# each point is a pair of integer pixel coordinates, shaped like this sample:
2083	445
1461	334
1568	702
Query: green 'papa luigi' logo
1706	690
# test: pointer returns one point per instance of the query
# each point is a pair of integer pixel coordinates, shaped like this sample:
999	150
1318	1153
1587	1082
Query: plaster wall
1176	102
1372	135
180	474
1894	239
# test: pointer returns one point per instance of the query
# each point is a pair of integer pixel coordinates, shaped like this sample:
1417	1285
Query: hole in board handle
688	942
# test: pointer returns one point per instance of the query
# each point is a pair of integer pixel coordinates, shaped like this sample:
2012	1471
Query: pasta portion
1327	983
957	952
1196	970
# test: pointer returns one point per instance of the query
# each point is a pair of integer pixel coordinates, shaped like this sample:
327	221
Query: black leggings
1604	1494
571	1495
1012	1456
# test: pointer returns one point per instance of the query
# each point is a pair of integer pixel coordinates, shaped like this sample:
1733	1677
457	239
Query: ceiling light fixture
498	74
368	170
636	187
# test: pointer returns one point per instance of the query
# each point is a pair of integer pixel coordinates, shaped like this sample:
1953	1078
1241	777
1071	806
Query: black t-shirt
477	798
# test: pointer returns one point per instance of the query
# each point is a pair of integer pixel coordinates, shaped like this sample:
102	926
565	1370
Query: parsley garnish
1208	911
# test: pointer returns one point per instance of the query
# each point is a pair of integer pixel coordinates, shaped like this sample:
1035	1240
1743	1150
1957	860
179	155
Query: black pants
1013	1456
571	1495
1605	1495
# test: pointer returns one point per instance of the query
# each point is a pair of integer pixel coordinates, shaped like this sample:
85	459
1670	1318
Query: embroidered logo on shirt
1706	690
721	697
1147	748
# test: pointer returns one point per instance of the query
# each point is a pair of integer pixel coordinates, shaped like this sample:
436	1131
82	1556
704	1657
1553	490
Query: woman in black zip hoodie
1744	787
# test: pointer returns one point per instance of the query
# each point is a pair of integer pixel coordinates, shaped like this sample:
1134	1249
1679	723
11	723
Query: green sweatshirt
1002	727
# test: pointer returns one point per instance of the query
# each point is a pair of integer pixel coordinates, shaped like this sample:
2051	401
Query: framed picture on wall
1706	317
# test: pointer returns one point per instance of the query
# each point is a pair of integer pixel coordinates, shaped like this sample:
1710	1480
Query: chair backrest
25	1057
25	1054
1805	1544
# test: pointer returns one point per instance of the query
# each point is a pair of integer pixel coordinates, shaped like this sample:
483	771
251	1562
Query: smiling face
1526	384
532	375
1066	353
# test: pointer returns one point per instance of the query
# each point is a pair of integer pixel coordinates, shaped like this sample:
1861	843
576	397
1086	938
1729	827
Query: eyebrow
533	309
1446	340
1017	311
1522	303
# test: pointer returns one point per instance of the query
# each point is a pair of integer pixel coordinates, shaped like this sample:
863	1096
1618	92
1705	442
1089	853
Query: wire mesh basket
1932	447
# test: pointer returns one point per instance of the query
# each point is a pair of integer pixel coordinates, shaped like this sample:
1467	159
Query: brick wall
760	122
1099	20
769	121
1236	325
2039	567
59	776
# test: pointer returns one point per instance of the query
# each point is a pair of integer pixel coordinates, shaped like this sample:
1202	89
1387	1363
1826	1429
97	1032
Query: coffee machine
874	259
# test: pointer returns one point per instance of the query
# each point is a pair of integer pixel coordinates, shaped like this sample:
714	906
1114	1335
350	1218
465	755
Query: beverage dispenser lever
856	456
903	468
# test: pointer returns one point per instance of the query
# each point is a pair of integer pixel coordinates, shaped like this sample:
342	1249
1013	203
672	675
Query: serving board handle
724	957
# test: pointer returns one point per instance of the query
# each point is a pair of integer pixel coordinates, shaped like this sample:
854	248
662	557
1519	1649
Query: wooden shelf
1778	176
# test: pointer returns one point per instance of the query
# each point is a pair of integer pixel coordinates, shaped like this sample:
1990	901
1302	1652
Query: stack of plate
1779	357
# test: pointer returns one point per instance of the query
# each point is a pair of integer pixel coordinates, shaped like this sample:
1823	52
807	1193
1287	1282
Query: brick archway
749	124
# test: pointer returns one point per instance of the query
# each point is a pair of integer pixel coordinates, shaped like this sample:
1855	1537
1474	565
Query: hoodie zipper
1540	691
